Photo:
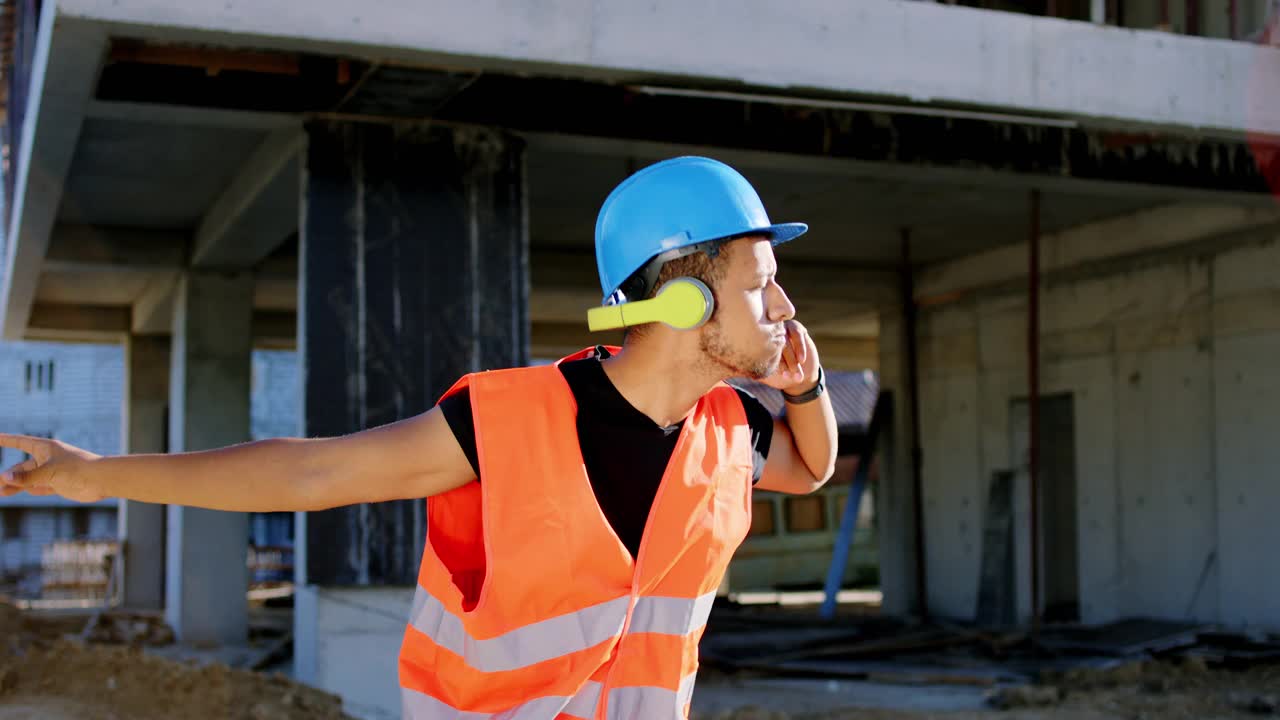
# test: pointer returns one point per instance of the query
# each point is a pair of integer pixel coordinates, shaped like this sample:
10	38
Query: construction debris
1122	638
1254	703
119	627
106	671
1133	668
1025	696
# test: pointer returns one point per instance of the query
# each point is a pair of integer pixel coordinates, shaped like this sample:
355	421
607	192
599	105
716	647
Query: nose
780	308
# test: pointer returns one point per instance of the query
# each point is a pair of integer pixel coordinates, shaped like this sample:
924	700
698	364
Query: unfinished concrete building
1010	212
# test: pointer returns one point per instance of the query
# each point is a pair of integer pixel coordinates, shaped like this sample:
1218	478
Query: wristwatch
810	395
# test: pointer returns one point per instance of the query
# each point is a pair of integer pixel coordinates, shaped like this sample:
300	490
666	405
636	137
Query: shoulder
757	413
507	379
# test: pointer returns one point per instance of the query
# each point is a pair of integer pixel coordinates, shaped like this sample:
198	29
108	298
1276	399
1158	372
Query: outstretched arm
413	458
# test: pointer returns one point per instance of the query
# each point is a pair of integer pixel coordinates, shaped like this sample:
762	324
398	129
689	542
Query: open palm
51	469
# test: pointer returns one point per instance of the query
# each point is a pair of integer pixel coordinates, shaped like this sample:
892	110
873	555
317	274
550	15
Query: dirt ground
44	675
1147	690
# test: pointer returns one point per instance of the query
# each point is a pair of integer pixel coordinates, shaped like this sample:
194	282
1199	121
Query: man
580	515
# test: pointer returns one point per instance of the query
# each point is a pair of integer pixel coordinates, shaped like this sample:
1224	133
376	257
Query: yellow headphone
683	303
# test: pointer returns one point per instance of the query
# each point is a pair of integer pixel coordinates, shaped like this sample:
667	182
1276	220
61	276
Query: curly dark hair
699	265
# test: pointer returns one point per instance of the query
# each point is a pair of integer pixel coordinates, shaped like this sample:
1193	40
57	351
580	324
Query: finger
799	338
788	359
20	474
794	370
795	341
19	442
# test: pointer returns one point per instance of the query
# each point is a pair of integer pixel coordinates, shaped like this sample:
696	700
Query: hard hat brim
783	232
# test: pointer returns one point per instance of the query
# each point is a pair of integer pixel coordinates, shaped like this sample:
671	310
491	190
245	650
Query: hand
798	371
54	468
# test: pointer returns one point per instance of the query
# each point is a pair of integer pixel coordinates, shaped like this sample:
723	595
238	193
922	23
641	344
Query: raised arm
802	456
413	458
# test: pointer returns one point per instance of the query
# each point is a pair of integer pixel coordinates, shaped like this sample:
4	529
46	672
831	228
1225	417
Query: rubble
1025	696
105	671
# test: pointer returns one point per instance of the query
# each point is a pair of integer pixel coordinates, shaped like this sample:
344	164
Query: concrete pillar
141	526
896	497
414	271
210	383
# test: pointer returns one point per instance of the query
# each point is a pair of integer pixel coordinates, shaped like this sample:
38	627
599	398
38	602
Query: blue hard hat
675	204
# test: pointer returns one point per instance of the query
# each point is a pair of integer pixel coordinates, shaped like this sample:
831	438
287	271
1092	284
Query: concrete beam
969	174
277	330
113	324
87	247
153	311
1150	231
258	209
77	323
563	286
189	116
924	53
64	70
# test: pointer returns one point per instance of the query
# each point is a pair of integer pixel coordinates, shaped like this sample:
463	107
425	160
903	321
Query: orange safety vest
529	607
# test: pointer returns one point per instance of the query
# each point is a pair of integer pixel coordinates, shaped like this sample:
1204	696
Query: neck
662	376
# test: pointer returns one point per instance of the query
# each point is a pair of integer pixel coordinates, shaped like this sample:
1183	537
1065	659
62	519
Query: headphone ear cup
693	310
684	303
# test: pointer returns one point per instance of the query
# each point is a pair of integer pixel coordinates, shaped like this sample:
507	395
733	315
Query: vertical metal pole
1233	14
849	519
913	390
1033	409
845	537
1098	12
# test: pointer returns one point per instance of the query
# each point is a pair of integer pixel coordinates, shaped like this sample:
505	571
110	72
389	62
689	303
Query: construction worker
581	515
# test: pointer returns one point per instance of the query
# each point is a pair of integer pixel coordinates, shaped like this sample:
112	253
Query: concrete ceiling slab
852	219
151	174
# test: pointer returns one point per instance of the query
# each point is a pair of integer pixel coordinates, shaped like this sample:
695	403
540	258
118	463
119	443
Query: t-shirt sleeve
760	420
457	412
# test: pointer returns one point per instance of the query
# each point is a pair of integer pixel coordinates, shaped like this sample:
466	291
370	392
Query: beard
717	349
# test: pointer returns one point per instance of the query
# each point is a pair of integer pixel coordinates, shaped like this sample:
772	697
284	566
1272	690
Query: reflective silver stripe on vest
671	616
533	643
628	703
418	706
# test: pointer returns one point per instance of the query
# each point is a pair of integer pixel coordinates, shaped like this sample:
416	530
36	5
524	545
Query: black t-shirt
625	452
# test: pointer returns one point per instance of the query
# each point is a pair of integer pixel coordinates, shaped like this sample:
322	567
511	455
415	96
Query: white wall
83	407
347	641
274	403
1172	370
